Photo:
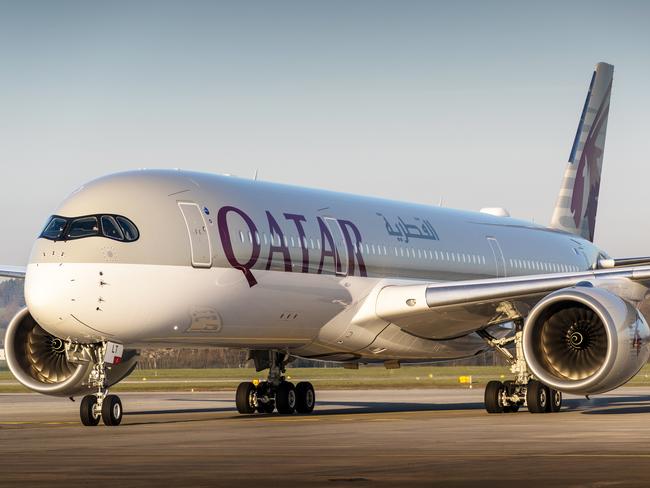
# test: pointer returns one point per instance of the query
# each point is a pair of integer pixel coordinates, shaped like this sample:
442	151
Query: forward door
200	248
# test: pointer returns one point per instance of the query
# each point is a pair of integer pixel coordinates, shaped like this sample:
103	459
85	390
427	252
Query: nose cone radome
50	297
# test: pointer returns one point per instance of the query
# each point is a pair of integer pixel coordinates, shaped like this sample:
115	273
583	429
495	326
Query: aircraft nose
51	294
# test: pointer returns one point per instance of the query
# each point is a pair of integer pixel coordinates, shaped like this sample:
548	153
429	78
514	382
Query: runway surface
355	438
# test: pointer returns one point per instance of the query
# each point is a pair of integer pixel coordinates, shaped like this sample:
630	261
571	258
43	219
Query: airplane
171	258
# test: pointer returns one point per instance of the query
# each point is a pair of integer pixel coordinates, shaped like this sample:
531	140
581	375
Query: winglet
577	203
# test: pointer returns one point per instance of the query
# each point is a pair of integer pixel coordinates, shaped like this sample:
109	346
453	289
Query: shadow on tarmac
594	406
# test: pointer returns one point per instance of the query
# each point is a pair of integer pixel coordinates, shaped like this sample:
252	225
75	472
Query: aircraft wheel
305	397
538	396
245	398
87	411
555	401
493	397
112	410
509	387
267	407
285	398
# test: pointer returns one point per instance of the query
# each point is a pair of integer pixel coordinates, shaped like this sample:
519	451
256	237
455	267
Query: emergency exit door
499	260
201	251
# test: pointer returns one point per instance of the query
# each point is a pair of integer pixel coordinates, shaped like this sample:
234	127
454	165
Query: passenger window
83	227
110	228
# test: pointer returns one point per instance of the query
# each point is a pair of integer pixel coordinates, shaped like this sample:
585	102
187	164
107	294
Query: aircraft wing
448	310
12	271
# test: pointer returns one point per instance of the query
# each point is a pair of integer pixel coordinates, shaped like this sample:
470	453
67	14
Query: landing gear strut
509	396
100	405
276	392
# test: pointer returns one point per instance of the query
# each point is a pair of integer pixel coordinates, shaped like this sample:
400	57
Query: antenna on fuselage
256	172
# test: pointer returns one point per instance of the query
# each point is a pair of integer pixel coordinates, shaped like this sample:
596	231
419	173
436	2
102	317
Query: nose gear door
198	232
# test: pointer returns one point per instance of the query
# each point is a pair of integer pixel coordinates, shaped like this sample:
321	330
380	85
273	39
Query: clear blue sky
475	102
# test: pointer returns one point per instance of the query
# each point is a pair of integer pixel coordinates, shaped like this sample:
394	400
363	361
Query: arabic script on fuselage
403	231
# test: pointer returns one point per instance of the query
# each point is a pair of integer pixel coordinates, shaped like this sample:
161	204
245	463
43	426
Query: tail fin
577	203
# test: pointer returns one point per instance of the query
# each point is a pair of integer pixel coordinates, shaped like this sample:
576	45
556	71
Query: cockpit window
130	230
83	227
111	229
54	228
112	226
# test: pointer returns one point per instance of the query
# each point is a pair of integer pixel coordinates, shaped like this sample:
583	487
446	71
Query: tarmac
361	438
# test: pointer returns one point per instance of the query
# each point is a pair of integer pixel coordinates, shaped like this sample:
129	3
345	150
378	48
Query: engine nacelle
38	360
585	340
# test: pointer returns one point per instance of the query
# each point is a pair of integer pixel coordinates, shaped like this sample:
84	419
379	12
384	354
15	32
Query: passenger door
499	260
341	250
201	250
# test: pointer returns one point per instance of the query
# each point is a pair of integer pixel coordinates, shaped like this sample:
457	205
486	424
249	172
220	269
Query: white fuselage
228	262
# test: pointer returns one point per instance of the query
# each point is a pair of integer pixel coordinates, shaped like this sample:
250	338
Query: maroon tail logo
588	173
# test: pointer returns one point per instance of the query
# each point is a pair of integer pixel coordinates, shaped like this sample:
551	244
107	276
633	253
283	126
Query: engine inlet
574	342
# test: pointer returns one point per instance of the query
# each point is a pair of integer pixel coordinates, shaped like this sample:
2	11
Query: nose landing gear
100	405
509	396
276	392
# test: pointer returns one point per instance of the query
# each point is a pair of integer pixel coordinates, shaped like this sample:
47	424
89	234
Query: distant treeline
12	300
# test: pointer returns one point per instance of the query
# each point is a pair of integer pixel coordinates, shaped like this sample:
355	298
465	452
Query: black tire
245	397
305	397
87	411
555	402
538	397
267	407
493	401
112	410
285	398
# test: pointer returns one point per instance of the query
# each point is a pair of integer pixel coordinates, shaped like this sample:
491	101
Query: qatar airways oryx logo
329	253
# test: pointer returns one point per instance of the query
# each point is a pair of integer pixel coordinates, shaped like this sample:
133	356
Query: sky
472	103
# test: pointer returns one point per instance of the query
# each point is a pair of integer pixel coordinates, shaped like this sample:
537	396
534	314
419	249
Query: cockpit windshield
54	228
114	227
83	227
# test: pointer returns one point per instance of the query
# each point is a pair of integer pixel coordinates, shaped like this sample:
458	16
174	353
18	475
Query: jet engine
585	340
40	361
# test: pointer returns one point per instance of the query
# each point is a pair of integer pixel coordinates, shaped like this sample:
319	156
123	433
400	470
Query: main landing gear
100	405
509	396
276	392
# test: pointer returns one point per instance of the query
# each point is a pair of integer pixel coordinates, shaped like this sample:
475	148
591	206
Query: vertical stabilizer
577	203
